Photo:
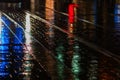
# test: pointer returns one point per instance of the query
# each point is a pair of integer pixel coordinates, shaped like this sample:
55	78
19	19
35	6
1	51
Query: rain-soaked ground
16	59
32	48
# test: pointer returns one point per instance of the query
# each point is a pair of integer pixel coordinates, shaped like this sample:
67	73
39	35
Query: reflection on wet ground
99	23
63	57
16	59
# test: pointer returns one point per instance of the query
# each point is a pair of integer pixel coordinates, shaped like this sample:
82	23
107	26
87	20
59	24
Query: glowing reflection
28	41
60	56
4	50
117	22
18	43
117	17
27	29
18	65
50	16
17	50
19	5
19	39
4	36
3	68
76	67
0	23
27	64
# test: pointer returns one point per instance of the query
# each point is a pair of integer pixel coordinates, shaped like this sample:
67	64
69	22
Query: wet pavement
64	57
33	48
16	59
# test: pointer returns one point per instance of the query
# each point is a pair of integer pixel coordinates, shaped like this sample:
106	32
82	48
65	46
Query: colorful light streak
76	67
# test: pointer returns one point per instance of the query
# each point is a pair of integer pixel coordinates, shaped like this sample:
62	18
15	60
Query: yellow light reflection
50	16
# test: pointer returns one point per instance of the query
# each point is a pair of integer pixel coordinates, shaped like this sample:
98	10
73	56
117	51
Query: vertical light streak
33	5
27	30
0	26
117	21
3	49
76	67
117	12
19	4
60	56
49	9
27	35
28	52
50	16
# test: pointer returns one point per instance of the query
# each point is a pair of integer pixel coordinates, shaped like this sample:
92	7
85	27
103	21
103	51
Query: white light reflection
28	50
27	32
19	4
27	29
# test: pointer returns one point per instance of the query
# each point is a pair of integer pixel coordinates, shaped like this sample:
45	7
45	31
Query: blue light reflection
117	13
18	43
117	25
60	56
4	50
5	40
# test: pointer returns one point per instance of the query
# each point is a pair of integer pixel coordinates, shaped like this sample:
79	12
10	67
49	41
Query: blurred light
19	35
4	35
76	67
28	34
71	28
27	29
18	47
19	4
71	12
60	56
27	64
0	23
4	41
117	21
117	13
49	15
3	70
